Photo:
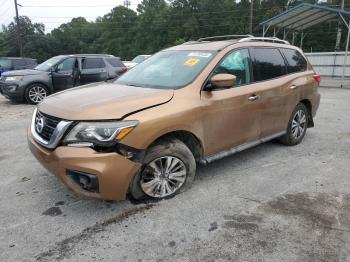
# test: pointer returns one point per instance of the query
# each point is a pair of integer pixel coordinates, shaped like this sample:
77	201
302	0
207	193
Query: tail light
124	69
317	78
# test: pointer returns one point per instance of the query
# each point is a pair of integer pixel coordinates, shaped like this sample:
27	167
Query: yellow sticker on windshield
191	62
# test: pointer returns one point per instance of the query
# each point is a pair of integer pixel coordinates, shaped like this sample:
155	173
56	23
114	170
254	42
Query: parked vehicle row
57	74
144	134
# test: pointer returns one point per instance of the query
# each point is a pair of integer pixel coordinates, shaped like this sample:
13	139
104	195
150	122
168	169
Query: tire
297	126
35	93
175	153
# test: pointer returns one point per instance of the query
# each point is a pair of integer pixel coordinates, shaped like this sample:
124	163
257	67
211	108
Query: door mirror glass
223	81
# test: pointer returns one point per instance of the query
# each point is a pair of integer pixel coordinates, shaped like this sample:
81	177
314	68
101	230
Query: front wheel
297	126
169	168
35	93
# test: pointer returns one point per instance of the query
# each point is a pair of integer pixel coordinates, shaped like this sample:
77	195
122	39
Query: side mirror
223	80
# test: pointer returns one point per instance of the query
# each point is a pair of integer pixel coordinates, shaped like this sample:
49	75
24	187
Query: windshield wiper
133	85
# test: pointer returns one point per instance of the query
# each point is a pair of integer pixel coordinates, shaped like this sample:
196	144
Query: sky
53	13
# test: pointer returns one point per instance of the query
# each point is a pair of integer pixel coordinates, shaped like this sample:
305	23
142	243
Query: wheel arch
308	105
188	138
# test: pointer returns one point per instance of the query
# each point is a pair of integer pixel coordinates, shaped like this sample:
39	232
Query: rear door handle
253	98
293	86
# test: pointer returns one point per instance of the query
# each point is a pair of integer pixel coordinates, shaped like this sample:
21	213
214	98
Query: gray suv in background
57	74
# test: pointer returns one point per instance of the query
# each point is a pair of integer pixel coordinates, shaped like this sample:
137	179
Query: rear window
92	63
268	64
115	62
296	62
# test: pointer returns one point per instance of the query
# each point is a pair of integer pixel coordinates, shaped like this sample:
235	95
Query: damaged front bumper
103	175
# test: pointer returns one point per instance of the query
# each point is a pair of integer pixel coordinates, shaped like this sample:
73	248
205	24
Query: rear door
93	70
270	71
234	116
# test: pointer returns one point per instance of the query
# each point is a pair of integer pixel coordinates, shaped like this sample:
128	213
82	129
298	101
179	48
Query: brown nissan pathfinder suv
197	102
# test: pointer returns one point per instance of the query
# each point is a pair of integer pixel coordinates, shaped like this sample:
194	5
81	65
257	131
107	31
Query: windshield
167	69
139	59
5	63
47	65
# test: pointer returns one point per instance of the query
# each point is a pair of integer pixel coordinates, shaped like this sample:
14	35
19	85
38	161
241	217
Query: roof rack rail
264	39
222	37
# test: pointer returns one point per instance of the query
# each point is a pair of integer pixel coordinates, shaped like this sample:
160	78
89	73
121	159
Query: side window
296	62
93	63
236	63
18	63
268	63
66	65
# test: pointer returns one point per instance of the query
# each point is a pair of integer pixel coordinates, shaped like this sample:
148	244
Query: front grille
49	125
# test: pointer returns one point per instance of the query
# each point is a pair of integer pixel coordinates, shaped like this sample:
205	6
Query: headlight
14	78
99	133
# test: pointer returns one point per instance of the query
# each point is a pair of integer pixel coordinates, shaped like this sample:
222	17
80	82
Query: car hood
102	101
24	72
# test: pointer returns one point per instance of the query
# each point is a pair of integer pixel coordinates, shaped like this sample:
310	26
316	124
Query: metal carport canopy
304	16
307	15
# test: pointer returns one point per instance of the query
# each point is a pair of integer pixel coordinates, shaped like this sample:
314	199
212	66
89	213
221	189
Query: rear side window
19	62
92	63
268	64
296	62
115	62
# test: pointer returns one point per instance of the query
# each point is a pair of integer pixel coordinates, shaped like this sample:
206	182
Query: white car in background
137	60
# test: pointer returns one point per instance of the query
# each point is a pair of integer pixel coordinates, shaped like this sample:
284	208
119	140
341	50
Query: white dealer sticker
199	54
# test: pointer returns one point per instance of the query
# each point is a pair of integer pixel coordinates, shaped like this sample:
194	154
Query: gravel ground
269	203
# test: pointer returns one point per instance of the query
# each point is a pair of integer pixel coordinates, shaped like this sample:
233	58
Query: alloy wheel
163	177
299	124
37	94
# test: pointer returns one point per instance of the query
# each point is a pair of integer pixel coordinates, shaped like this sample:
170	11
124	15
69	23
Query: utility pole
251	16
337	43
19	40
127	3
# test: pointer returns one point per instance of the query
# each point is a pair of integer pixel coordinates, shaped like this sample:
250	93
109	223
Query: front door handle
293	86
253	98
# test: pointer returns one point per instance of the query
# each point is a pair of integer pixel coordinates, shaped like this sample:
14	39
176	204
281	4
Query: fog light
11	88
87	182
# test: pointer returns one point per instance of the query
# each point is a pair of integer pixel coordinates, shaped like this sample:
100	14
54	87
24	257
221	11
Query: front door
233	115
63	75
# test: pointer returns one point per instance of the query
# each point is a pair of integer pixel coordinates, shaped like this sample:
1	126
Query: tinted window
115	62
92	63
268	64
236	63
19	63
296	62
